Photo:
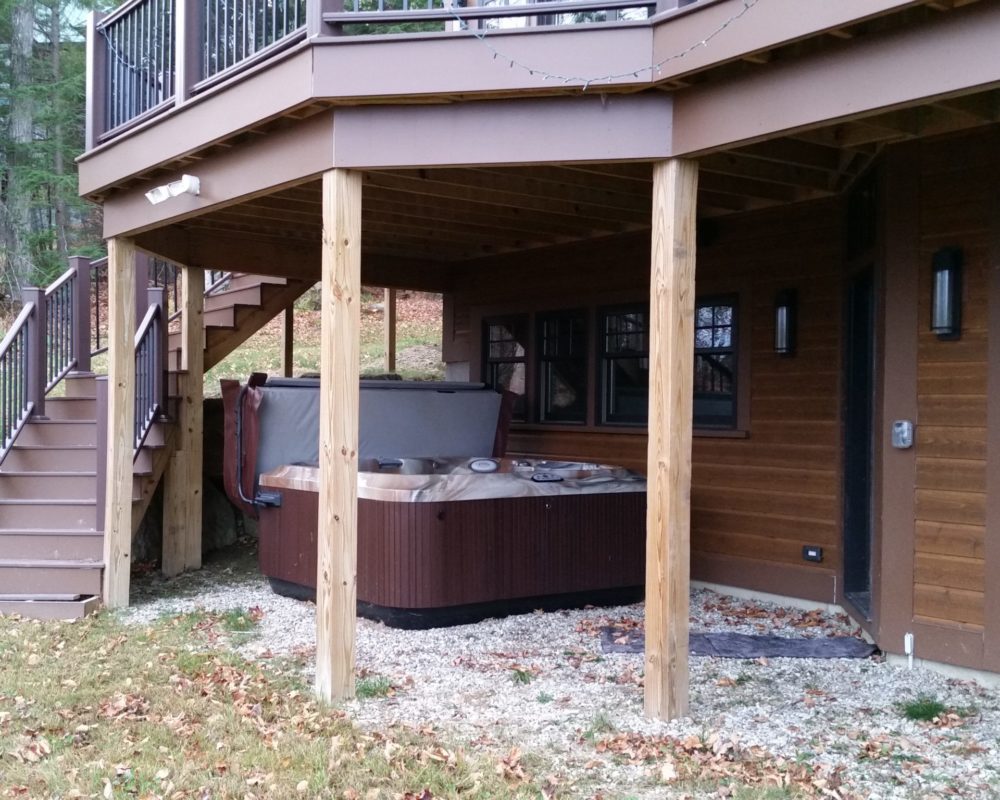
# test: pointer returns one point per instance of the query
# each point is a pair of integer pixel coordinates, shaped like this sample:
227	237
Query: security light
188	184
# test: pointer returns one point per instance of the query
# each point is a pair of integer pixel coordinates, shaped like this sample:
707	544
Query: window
506	361
624	353
562	366
715	362
559	376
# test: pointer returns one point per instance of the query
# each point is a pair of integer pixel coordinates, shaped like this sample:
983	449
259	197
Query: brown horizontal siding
948	605
950	492
954	572
823	532
951	539
742	545
951	474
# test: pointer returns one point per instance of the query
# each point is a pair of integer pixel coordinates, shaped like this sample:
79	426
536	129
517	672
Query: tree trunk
17	221
58	163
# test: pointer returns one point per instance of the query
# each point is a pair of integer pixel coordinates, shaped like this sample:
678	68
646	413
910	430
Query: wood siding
949	542
760	494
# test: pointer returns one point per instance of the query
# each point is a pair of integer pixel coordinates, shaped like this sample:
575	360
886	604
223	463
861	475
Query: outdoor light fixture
946	293
188	184
785	322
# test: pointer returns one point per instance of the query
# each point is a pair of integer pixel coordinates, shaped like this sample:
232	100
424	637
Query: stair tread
50	473
48	532
71	398
43	597
35	501
39	606
54	563
36	421
17	446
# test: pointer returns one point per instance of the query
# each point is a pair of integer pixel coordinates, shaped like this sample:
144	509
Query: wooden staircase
51	550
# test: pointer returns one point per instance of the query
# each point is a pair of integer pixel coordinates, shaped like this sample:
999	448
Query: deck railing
150	369
15	405
64	348
236	30
152	55
149	55
138	42
49	338
422	16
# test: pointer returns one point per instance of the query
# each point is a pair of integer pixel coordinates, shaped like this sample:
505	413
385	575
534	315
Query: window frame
582	314
605	359
734	349
593	313
519	323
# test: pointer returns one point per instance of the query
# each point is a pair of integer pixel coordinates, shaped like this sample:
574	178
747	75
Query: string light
481	33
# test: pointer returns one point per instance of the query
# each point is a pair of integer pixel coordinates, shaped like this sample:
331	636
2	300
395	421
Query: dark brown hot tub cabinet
440	543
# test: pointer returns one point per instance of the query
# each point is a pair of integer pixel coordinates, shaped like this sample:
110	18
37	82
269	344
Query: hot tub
457	538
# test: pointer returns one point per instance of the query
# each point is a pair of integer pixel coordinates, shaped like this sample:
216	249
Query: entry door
859	365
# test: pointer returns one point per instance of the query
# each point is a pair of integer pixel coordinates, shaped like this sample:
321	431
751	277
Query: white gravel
541	682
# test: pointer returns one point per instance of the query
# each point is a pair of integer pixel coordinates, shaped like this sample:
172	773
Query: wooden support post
340	355
288	343
389	321
671	387
182	499
121	416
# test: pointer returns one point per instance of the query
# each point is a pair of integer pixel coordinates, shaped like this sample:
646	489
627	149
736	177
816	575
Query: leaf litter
823	728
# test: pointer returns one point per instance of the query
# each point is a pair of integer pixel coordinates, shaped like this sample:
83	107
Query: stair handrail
15	404
49	339
67	335
216	280
150	363
99	277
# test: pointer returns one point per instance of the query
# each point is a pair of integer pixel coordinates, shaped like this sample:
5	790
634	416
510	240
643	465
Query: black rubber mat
741	645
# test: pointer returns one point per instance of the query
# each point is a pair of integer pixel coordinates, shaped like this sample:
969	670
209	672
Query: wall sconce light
785	322
188	184
946	293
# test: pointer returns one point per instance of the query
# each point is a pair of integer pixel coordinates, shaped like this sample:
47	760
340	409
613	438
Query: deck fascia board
951	56
351	70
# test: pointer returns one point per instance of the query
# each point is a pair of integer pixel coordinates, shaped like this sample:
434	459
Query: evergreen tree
42	72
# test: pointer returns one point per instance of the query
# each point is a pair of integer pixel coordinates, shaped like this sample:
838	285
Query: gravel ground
540	682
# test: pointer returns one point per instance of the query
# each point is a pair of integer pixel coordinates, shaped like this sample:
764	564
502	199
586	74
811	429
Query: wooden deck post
182	498
288	342
121	416
389	322
340	353
671	386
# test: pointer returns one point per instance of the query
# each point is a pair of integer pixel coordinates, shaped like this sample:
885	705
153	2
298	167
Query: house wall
942	516
950	498
758	494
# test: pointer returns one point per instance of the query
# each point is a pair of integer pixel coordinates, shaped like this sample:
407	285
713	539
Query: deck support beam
183	492
671	387
340	353
389	328
121	415
288	342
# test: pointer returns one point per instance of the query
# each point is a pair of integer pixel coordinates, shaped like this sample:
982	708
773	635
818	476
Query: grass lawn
418	342
97	709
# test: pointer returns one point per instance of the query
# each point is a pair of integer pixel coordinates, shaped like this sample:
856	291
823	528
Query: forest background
42	94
